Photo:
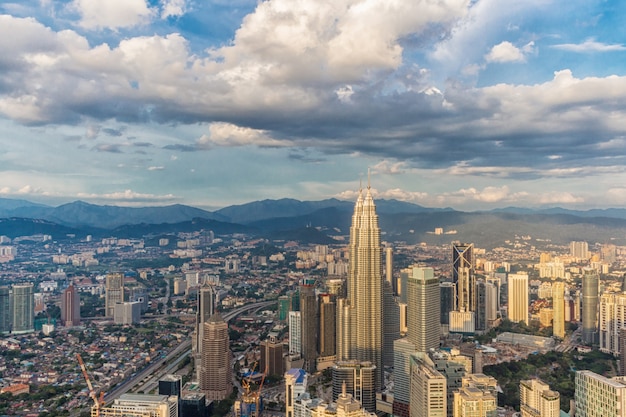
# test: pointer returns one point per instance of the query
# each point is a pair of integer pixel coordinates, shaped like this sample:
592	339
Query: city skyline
464	104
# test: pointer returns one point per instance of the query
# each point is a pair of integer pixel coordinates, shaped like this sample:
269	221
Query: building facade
591	284
216	371
518	297
70	307
114	292
538	400
598	396
423	309
23	308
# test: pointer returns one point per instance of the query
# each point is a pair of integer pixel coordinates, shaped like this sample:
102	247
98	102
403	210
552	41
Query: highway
176	355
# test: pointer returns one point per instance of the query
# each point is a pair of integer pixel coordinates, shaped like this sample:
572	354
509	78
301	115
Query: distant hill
14	227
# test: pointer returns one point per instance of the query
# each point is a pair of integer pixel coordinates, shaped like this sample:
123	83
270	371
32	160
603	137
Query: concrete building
272	359
558	305
579	250
611	319
140	405
403	349
127	313
114	292
598	396
6	310
295	333
310	323
70	307
454	367
327	325
518	297
170	384
391	328
216	371
477	397
359	379
296	381
23	320
423	308
538	400
428	388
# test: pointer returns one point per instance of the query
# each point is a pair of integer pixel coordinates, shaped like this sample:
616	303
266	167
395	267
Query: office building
327	325
296	381
272	360
359	379
6	310
518	297
599	396
170	384
127	313
70	307
447	295
391	328
23	308
463	276
140	405
216	369
114	292
454	367
389	269
403	349
284	307
428	388
360	327
558	305
423	308
538	400
310	322
591	284
205	309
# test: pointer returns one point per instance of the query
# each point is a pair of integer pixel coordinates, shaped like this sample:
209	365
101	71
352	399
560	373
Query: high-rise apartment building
423	308
428	389
70	307
6	310
360	325
579	250
518	297
310	323
295	333
622	351
216	369
477	397
591	284
327	325
611	319
23	308
114	292
538	400
558	305
599	396
359	378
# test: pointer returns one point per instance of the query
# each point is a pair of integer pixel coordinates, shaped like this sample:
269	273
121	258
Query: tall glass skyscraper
591	283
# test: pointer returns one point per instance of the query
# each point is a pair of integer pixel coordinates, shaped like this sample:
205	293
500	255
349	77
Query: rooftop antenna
368	178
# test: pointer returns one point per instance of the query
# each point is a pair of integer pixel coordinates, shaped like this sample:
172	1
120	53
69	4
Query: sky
470	104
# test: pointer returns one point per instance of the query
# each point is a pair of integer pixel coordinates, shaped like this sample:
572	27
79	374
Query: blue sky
454	103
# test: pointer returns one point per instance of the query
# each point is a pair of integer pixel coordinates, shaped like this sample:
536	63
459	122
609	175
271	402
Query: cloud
389	167
173	8
589	46
112	14
156	168
505	52
227	134
110	148
128	195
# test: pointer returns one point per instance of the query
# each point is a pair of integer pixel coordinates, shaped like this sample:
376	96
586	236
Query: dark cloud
111	148
181	148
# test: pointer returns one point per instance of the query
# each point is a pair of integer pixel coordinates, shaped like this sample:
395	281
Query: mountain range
316	221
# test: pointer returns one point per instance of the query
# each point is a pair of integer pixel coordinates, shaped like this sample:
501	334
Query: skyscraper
359	379
518	297
328	322
295	333
391	328
6	310
216	370
611	319
591	282
114	292
423	308
558	305
428	389
463	276
579	250
310	322
272	361
70	307
361	327
206	308
23	308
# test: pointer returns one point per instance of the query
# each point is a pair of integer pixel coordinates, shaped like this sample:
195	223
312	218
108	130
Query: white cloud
505	52
227	134
127	195
173	8
589	46
156	168
390	168
112	14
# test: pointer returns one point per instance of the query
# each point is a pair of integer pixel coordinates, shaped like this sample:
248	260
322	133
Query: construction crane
250	404
98	401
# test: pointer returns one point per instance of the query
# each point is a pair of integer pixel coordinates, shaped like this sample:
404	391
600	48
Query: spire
368	178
